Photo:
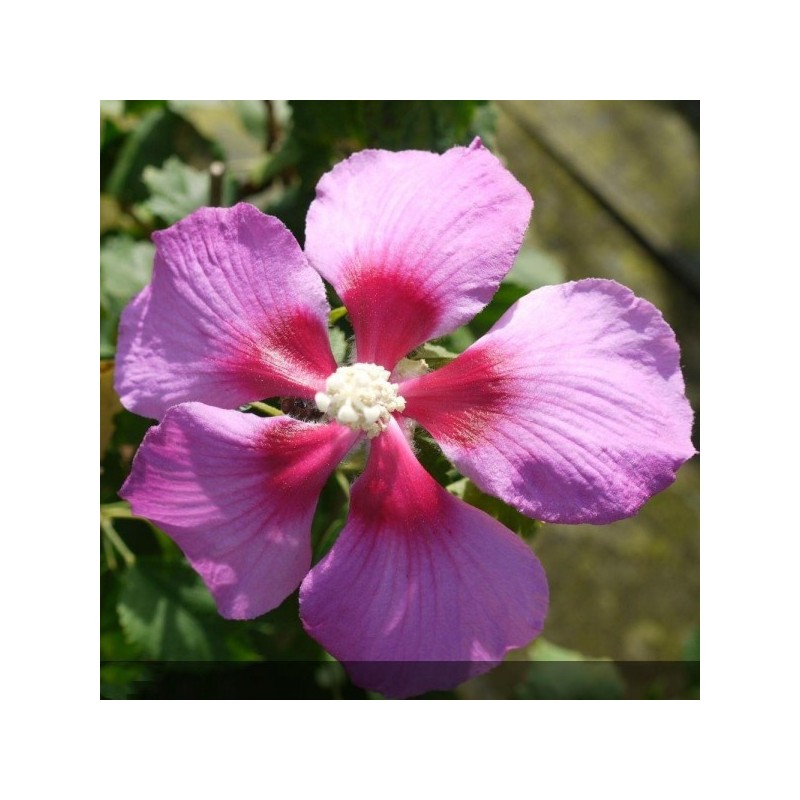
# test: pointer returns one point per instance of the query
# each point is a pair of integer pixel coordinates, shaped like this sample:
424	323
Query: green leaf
432	459
338	344
557	673
175	190
459	340
331	514
120	681
434	355
691	655
125	268
112	123
323	132
390	124
253	114
221	122
532	270
143	106
535	268
166	611
431	350
506	296
543	650
158	135
112	108
502	512
691	647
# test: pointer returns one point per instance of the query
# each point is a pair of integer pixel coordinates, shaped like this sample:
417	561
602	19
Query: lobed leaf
176	189
125	269
166	611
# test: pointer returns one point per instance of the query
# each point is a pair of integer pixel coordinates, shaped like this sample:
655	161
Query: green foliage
118	681
331	516
175	190
506	296
534	268
434	355
157	136
236	128
432	458
125	268
691	655
556	673
691	649
338	341
388	124
324	132
155	158
167	612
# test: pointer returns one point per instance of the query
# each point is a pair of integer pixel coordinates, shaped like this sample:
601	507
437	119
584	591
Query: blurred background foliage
616	187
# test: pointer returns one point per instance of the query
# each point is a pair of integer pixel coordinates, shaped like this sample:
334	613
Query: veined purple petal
571	408
421	591
415	243
237	494
234	314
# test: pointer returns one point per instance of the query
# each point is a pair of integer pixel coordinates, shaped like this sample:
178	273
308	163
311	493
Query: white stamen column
360	397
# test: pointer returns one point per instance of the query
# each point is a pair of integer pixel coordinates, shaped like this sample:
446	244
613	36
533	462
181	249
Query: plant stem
108	529
217	172
336	314
111	559
344	484
116	511
266	409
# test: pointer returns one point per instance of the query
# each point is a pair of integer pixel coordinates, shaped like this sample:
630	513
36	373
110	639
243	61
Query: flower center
361	397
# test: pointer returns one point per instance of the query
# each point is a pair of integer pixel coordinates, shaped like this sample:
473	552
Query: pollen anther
361	397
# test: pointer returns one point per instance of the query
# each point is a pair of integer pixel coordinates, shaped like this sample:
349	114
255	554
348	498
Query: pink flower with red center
571	409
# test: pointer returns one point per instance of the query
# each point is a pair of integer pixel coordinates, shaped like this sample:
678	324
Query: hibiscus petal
421	591
415	243
234	314
237	494
571	408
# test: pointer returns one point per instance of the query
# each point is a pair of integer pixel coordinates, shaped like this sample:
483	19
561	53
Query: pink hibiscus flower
571	409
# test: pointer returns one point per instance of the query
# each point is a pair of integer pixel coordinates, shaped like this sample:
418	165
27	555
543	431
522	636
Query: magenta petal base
234	314
571	409
237	493
415	243
421	591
